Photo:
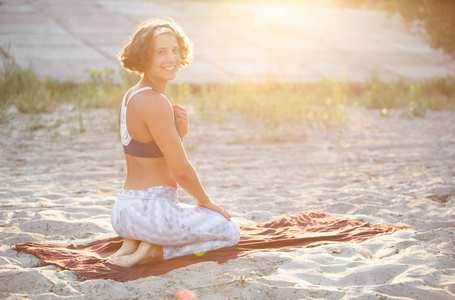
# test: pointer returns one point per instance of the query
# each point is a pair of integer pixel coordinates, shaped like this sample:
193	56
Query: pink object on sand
186	295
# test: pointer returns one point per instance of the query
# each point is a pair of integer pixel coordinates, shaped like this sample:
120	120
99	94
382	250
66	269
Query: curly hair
135	56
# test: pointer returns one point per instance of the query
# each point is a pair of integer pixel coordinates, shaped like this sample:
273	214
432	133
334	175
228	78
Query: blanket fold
285	233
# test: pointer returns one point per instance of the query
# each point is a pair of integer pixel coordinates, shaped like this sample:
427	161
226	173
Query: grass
416	97
272	104
276	107
21	88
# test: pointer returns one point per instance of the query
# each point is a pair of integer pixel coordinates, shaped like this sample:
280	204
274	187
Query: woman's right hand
182	118
212	206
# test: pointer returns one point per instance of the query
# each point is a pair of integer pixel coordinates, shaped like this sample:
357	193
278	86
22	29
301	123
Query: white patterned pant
154	215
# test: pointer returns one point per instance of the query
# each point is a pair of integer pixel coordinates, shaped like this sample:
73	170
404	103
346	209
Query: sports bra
130	145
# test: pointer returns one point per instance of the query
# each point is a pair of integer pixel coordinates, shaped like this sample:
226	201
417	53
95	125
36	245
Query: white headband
161	30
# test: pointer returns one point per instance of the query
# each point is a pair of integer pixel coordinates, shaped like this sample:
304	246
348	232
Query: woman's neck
158	85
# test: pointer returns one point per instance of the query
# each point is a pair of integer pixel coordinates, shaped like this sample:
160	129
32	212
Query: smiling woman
146	213
135	55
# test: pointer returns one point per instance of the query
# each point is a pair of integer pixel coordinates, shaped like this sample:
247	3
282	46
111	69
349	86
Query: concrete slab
414	72
206	72
233	41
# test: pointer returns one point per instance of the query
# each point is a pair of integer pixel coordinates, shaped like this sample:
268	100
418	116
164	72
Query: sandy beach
60	172
58	184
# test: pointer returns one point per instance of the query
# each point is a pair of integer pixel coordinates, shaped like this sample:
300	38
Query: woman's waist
145	180
143	176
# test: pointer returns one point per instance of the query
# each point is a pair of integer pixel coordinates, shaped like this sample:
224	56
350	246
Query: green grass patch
21	88
414	97
274	106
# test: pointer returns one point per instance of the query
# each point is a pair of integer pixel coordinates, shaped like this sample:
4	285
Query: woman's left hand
212	206
182	118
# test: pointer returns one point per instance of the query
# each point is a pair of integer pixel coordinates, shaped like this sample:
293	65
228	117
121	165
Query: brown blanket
305	229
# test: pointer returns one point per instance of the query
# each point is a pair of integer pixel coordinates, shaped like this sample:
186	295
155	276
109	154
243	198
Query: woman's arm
158	114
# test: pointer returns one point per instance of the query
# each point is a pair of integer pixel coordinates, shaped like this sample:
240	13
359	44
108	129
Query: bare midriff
143	173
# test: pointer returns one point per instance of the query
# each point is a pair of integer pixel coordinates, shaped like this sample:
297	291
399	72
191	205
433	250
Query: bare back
144	172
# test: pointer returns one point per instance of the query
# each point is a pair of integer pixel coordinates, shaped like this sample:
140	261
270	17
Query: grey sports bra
130	145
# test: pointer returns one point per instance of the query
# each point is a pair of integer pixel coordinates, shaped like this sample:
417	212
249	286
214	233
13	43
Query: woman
146	213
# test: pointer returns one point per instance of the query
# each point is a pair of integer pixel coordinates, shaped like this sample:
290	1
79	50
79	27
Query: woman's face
165	61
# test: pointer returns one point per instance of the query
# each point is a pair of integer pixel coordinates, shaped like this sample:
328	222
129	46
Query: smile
169	68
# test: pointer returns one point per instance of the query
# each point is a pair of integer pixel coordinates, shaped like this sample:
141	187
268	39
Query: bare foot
128	247
145	253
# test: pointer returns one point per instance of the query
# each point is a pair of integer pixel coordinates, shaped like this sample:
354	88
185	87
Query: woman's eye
175	51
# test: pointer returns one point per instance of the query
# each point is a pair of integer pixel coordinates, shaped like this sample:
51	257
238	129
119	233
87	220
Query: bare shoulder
150	102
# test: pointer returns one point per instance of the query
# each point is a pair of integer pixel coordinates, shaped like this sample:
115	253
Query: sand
58	184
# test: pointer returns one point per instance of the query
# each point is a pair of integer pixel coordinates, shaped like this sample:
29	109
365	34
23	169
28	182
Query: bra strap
138	91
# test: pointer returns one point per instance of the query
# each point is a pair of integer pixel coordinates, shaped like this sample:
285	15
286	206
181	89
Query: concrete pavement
66	38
